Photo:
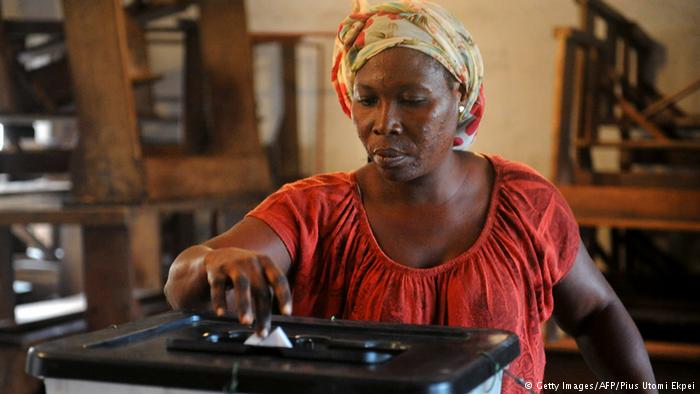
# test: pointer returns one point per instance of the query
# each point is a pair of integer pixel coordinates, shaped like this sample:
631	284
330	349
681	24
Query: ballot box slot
307	347
312	342
385	330
351	328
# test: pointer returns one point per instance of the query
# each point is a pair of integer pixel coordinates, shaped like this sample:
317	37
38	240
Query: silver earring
461	109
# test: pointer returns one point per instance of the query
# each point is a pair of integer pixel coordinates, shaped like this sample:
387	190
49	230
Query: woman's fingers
241	288
217	291
263	312
253	295
252	276
278	282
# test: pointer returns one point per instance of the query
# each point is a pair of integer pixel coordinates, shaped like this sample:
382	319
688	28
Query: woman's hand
248	259
251	275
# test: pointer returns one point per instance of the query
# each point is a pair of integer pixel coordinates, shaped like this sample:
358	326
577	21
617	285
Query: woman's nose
386	120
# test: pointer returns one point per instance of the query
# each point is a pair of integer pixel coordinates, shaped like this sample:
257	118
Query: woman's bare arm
249	257
588	309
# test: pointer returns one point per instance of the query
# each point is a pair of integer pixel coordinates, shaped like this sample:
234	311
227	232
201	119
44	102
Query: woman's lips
388	157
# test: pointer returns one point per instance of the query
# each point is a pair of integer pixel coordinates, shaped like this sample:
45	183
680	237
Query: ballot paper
277	338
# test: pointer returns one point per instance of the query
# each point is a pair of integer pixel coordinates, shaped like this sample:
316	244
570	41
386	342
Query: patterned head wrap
419	25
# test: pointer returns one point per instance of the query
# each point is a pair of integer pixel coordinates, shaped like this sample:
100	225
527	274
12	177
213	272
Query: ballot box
189	353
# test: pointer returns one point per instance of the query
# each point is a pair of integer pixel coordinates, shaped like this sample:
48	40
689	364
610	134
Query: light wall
516	41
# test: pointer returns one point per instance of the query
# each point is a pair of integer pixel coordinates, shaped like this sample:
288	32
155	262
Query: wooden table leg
7	277
108	275
288	135
145	248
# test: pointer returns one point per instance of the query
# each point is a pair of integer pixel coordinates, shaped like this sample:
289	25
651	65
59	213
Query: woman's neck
436	188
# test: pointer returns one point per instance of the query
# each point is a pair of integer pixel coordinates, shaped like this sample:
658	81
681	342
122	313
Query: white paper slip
277	338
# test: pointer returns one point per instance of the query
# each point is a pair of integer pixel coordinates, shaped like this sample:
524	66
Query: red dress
503	281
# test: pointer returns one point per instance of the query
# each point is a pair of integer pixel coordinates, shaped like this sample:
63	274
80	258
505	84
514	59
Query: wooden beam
144	232
675	145
288	135
106	165
638	118
634	207
29	118
107	254
38	209
689	352
632	32
682	180
29	162
205	176
146	12
587	94
139	67
260	37
320	135
562	165
227	60
91	216
586	16
7	276
26	27
194	119
13	359
664	102
575	112
7	59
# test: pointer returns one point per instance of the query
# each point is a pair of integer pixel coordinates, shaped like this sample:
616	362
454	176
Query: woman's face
405	108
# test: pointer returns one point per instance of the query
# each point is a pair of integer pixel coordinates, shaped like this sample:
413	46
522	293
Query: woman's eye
367	101
413	100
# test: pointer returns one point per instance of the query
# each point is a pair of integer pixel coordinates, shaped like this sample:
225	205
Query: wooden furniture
109	165
604	86
121	258
284	152
106	249
112	235
114	184
199	101
122	187
106	47
606	101
220	157
646	196
671	362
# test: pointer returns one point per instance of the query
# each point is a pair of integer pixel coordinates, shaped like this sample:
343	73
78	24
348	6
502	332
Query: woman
426	232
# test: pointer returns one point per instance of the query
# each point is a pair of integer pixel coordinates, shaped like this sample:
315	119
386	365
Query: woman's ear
462	94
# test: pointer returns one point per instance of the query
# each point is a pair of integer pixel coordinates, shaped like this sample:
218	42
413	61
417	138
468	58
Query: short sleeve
282	212
552	228
560	235
560	240
298	211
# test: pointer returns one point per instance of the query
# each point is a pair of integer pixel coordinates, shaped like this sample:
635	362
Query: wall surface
518	47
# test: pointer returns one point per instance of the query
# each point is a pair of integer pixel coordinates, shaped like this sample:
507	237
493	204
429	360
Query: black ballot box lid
196	351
